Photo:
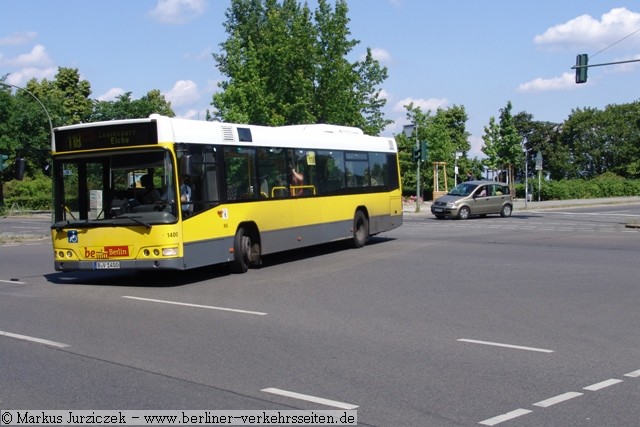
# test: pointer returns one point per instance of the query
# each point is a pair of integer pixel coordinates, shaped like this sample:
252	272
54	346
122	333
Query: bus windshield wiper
135	219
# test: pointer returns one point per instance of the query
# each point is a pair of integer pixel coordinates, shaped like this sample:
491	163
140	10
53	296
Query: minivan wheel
506	211
464	213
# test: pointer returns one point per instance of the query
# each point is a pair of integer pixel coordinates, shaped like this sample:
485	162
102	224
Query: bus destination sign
128	135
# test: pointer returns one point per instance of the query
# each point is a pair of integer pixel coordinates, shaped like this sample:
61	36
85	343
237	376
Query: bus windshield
116	188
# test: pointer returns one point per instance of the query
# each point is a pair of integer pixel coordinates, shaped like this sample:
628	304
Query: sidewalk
519	204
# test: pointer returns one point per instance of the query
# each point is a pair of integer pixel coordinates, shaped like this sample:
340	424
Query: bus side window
272	173
241	182
331	171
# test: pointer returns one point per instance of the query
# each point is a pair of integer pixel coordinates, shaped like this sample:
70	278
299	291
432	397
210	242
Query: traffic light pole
418	178
582	65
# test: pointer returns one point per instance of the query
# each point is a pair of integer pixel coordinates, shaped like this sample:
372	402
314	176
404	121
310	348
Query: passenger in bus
150	194
297	180
185	196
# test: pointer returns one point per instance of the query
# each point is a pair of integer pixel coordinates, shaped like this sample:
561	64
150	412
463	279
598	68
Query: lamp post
455	169
526	173
408	131
38	101
19	174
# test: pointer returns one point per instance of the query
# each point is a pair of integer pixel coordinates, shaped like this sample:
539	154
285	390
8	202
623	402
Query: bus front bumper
159	264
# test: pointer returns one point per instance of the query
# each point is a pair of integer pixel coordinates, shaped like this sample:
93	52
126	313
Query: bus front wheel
360	230
244	252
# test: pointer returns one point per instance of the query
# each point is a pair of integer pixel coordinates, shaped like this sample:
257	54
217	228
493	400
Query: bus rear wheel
360	230
245	253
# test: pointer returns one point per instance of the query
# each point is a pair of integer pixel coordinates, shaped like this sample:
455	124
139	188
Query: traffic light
420	152
581	67
416	154
3	159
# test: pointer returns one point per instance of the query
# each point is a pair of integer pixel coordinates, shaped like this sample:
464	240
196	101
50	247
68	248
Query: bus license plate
103	265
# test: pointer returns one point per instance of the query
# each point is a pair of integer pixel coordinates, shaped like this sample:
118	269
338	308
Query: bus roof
311	136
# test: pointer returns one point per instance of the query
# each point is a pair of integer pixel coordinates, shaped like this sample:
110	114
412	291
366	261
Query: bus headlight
169	251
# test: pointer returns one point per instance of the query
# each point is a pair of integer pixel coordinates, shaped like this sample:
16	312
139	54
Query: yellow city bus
175	194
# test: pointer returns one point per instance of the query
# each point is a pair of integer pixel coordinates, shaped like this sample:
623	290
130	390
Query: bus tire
360	230
241	251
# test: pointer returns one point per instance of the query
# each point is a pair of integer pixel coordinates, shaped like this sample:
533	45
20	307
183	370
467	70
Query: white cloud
380	55
431	104
19	78
564	82
178	11
625	68
585	31
38	57
111	94
192	114
204	55
184	92
18	38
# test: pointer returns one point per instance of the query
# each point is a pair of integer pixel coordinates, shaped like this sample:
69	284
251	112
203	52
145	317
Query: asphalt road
529	320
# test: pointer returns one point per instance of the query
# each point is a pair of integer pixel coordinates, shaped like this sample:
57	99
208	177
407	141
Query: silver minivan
474	198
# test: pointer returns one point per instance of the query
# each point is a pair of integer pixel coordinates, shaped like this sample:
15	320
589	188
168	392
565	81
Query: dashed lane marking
557	399
34	339
505	417
497	344
209	307
308	398
603	384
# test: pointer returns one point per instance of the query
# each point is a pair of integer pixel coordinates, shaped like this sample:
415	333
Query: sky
479	54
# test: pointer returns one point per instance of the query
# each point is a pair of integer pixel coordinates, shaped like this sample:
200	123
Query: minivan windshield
463	189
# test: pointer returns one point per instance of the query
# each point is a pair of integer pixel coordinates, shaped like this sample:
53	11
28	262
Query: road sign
539	161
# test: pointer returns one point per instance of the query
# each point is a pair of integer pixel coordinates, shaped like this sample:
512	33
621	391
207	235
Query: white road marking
496	344
594	214
505	417
557	399
603	384
634	374
210	307
308	398
33	339
13	281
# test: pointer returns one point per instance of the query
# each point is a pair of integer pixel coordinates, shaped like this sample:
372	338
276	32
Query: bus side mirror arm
186	165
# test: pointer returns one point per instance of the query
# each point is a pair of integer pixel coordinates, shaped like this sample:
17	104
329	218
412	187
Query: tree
126	108
503	144
286	65
491	140
445	134
542	137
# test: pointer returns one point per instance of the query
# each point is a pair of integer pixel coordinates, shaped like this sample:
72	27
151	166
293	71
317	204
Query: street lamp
408	131
455	169
9	85
526	173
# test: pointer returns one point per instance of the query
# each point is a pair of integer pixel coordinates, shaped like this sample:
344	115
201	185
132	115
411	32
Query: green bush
606	185
30	194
